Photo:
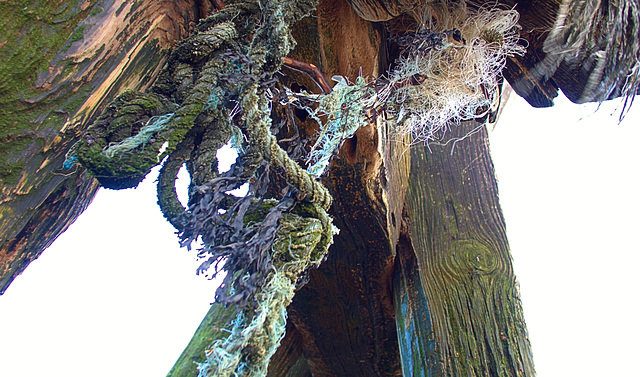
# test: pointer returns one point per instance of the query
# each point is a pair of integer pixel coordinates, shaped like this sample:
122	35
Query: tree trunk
380	305
456	230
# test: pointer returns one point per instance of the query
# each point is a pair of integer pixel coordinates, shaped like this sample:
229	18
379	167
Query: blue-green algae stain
413	325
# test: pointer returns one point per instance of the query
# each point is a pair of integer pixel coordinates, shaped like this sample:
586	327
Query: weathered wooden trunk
419	281
60	64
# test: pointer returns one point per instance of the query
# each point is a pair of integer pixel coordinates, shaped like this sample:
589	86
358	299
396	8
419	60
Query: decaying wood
420	277
61	63
344	316
533	76
311	70
365	311
457	232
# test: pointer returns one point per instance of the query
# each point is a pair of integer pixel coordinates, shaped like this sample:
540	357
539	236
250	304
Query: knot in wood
471	257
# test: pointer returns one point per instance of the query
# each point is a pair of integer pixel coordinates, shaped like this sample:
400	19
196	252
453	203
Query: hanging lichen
300	243
450	69
345	108
122	146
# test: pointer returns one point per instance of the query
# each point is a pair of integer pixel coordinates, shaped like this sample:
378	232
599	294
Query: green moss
77	35
326	240
11	164
258	215
124	118
96	9
9	173
31	34
215	325
76	101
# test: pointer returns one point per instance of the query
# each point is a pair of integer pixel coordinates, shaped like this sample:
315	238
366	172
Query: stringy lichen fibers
448	72
345	108
458	80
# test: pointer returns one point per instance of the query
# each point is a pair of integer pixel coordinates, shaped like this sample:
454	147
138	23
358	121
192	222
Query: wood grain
457	231
61	63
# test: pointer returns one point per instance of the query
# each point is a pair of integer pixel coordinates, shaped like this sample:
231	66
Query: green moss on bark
124	118
31	34
457	231
215	325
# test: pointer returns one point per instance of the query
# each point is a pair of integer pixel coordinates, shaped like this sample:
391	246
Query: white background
569	189
115	296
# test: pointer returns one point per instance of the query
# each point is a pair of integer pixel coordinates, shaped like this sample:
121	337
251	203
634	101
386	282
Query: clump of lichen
457	78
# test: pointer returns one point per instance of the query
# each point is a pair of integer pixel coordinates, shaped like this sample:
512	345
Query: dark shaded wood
69	197
345	313
549	66
537	17
289	360
381	10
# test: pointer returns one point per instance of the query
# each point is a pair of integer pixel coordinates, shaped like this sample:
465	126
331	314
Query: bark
216	325
342	321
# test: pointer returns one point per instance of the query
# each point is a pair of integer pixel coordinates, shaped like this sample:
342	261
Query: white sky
569	191
99	305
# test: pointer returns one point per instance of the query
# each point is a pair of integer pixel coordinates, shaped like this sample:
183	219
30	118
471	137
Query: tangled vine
220	85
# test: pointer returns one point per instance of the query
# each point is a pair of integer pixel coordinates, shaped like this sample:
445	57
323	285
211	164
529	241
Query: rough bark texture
345	317
345	313
216	325
60	63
